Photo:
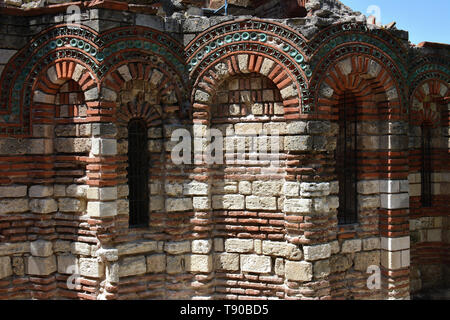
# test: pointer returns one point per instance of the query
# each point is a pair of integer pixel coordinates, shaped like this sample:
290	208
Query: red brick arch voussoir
237	63
367	79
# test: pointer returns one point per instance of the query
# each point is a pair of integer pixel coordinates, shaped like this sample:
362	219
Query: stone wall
259	227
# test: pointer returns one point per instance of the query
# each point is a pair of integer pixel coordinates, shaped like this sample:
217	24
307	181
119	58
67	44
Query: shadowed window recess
346	160
138	167
426	166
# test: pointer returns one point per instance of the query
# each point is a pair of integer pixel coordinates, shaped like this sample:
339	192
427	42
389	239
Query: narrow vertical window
138	167
346	160
426	166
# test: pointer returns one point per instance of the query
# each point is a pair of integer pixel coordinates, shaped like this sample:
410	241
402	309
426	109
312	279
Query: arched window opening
426	192
346	160
138	168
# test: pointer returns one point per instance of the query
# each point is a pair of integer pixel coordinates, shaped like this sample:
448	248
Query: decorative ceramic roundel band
81	45
356	39
428	67
285	46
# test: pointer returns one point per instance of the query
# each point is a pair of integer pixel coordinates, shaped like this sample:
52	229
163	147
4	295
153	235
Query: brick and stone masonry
260	225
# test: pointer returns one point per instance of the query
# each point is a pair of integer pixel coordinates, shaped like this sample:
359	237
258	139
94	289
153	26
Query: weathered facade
77	91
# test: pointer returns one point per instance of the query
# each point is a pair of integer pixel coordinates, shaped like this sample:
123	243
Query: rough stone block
177	247
291	189
67	264
40	97
239	245
389	186
321	269
226	261
242	60
288	92
297	205
107	254
368	186
391	260
395	201
266	188
195	188
70	205
275	128
173	189
255	263
201	203
72	145
395	244
59	190
297	143
335	248
296	127
137	247
13	191
41	248
179	204
175	264
77	191
40	266
279	267
102	209
18	266
365	259
340	263
43	205
40	191
286	250
266	66
201	246
13	205
350	246
91	94
298	271
104	147
371	244
80	248
94	193
260	203
91	267
317	252
229	202
248	128
199	263
61	246
218	245
5	267
308	189
14	248
368	202
131	266
156	263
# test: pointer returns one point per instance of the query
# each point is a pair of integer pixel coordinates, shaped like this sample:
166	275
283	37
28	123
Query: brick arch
365	77
46	85
79	45
426	101
156	95
243	63
63	46
250	45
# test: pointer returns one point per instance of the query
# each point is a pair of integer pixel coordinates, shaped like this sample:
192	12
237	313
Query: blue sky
427	20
